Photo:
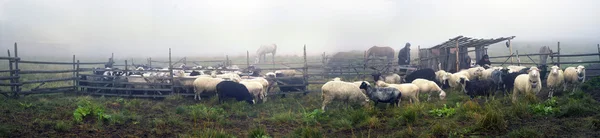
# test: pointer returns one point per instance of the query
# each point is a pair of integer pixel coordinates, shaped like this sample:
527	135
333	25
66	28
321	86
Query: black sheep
230	89
382	94
427	73
480	88
195	73
509	80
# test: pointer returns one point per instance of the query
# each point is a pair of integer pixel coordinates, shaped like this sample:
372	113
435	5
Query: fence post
598	45
74	74
457	60
518	59
558	58
77	78
247	59
171	73
305	72
510	48
12	73
150	61
126	66
185	60
18	86
227	64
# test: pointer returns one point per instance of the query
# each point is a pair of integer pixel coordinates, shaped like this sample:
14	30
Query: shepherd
485	62
404	55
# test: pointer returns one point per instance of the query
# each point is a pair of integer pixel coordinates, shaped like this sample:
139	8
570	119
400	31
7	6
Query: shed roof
470	42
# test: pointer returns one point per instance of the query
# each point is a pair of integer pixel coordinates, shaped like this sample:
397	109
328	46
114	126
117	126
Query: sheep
441	76
205	84
555	79
427	86
382	94
343	91
263	82
427	73
574	76
387	78
230	76
457	80
475	73
187	82
235	90
480	88
487	74
527	83
408	90
287	72
256	89
512	68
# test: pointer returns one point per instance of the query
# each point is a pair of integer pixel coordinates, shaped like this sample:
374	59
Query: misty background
147	28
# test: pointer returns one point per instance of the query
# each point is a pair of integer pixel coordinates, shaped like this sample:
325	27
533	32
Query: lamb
343	91
382	94
230	89
408	90
555	80
574	76
256	89
205	84
480	88
527	83
442	76
427	86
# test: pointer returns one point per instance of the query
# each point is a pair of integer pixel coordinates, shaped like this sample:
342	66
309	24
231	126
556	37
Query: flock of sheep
475	81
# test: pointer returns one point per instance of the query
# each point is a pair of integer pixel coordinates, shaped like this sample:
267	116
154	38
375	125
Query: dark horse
377	51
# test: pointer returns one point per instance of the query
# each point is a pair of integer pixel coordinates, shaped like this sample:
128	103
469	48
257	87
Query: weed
7	130
358	116
25	105
200	111
313	117
578	108
406	133
341	124
62	126
87	108
524	133
258	132
174	120
471	106
307	132
444	112
174	98
519	110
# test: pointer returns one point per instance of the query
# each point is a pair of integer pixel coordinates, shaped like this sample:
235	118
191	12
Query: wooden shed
445	53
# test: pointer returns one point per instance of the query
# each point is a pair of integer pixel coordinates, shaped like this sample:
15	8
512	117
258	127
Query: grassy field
71	115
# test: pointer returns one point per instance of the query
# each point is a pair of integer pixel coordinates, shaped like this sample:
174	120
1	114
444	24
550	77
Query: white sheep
342	91
512	68
475	73
255	88
287	72
527	83
487	74
205	84
408	90
186	82
458	80
391	78
264	82
427	86
574	76
442	76
555	80
229	76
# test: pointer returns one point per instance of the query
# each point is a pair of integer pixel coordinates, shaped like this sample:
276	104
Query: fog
143	28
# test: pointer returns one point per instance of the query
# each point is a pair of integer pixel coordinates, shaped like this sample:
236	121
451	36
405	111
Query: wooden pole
185	60
305	71
18	87
558	58
126	66
11	73
457	60
227	64
77	79
510	49
150	61
74	73
171	72
518	59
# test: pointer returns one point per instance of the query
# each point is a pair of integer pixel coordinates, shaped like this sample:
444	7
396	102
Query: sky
147	28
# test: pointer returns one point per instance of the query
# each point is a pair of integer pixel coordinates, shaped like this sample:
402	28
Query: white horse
264	50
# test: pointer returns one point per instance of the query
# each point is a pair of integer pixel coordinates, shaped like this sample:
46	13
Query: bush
577	109
519	110
546	108
524	133
87	108
313	117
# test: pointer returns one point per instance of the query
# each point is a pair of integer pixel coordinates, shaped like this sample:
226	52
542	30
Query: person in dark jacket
485	62
404	55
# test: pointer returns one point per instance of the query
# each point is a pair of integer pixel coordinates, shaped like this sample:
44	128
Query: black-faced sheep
382	94
230	89
527	83
555	80
508	79
342	91
575	76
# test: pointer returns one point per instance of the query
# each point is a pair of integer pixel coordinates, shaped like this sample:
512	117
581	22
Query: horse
377	51
264	50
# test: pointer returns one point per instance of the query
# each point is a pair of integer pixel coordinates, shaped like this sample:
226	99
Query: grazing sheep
428	74
382	94
555	80
342	91
574	76
427	86
205	84
186	83
527	83
256	89
480	88
408	90
230	89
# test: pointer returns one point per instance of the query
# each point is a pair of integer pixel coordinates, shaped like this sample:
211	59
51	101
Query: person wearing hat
404	55
485	62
